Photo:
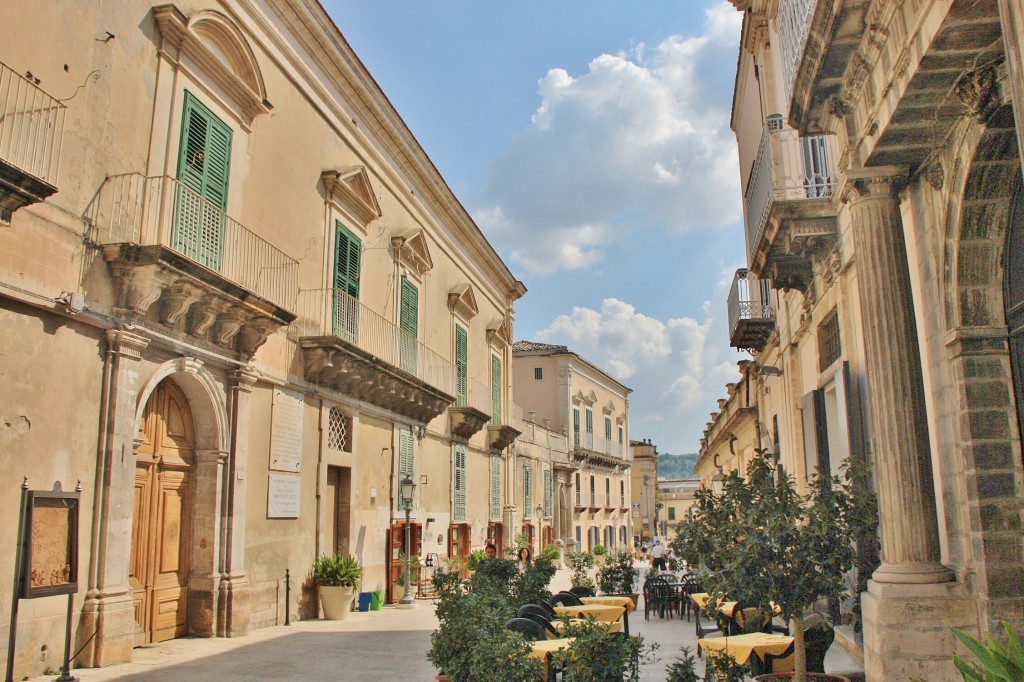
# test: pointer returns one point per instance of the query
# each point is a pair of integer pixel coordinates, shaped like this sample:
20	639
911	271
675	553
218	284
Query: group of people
660	555
523	559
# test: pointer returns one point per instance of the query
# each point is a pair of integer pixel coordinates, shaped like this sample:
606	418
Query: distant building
567	393
676	496
644	510
734	432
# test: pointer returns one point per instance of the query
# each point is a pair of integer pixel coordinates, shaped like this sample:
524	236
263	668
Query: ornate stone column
107	613
235	591
898	425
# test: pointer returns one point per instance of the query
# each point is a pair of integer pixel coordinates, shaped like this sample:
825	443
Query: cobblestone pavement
389	644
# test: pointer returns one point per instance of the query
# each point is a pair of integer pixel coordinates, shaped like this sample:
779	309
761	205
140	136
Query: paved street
377	645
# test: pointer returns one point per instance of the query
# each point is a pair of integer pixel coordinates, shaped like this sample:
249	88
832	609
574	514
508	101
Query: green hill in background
676	466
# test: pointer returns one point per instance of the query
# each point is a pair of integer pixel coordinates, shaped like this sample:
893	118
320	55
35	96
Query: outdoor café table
701	600
740	647
543	648
598	611
610	600
609	626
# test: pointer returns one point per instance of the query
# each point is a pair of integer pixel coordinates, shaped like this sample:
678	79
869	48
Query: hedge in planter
618	575
597	655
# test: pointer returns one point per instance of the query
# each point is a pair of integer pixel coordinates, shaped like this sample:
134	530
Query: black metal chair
818	637
705	629
564	599
773	663
533	609
659	596
689	586
549	629
531	630
546	607
746	619
582	590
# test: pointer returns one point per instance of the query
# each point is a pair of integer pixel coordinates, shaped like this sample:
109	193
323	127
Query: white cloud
639	141
673	366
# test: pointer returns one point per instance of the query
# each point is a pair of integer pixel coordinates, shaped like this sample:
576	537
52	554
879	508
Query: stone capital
245	378
874	183
126	344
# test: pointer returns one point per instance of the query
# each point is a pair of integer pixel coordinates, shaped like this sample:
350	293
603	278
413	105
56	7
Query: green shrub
474	558
597	655
551	553
997	662
336	570
599	550
580	564
618	575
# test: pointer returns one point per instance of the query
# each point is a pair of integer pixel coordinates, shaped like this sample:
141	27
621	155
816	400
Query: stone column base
905	630
110	622
234	606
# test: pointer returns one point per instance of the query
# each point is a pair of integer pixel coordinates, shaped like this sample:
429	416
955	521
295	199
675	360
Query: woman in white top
524	559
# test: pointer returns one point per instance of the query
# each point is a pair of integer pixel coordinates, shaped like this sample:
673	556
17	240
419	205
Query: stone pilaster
205	575
107	613
899	431
234	604
1011	14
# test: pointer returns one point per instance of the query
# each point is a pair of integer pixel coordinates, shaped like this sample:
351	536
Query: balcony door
347	254
201	195
408	326
161	520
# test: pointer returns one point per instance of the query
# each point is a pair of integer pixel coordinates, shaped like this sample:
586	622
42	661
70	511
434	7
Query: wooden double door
161	522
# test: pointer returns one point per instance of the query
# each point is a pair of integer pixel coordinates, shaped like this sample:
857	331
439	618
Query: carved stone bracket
500	436
978	90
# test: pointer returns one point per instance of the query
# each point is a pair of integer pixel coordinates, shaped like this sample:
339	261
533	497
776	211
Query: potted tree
618	576
580	564
760	541
398	589
336	576
600	553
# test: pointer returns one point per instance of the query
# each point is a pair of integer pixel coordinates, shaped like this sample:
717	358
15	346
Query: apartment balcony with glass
789	205
351	349
180	261
31	133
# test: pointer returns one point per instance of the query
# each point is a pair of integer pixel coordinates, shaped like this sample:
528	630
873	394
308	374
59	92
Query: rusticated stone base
906	634
234	607
110	622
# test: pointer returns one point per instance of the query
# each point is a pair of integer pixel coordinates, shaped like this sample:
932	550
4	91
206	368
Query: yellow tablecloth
701	600
543	647
611	600
740	647
609	626
604	612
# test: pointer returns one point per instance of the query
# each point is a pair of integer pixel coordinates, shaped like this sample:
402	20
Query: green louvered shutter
608	429
201	196
495	389
576	426
579	491
408	326
405	460
547	492
495	486
347	254
460	483
527	491
461	366
590	421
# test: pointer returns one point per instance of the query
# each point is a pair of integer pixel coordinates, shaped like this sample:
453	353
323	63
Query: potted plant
474	558
618	575
580	564
760	541
398	589
600	553
336	576
722	668
596	655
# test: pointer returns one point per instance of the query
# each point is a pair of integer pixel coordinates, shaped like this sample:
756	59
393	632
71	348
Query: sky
590	142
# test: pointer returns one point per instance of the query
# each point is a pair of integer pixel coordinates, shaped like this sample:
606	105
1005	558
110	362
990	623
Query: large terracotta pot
336	601
811	677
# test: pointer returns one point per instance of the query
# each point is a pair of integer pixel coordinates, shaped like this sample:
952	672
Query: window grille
829	344
339	431
538	373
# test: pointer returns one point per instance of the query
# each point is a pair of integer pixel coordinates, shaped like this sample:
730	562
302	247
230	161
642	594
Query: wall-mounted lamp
769	371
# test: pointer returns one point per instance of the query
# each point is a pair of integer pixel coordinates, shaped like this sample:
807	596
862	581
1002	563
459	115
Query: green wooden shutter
527	492
576	426
460	482
495	486
608	429
461	366
405	460
579	490
547	492
495	389
201	197
590	421
347	254
408	326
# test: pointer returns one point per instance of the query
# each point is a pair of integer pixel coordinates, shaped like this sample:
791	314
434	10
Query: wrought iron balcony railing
751	312
333	312
793	24
134	209
787	168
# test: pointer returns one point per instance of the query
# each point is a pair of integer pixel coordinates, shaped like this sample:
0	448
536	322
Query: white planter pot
336	601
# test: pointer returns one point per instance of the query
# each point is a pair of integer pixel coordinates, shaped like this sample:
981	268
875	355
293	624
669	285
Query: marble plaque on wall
283	494
286	431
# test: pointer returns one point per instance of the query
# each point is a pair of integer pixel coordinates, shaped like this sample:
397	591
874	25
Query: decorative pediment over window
462	300
498	330
217	46
586	398
412	250
609	408
351	189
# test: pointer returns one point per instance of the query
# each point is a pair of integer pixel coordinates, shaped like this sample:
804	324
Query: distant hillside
676	466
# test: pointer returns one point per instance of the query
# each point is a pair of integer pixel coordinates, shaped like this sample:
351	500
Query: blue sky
590	141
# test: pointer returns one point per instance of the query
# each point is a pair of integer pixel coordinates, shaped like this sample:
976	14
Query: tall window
590	421
495	389
538	373
409	326
547	492
593	491
460	482
495	486
579	491
347	249
527	491
202	196
461	366
671	513
608	429
830	346
622	493
405	460
576	426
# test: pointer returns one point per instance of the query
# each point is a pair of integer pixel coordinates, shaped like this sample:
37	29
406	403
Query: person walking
658	556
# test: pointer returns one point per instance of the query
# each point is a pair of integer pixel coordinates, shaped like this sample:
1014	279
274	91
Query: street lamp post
406	487
540	527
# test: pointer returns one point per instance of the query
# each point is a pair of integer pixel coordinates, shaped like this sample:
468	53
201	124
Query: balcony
596	449
789	209
751	313
351	349
179	261
471	410
31	132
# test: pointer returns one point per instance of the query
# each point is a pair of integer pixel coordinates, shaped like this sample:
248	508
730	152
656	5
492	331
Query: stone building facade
568	394
644	510
239	305
881	168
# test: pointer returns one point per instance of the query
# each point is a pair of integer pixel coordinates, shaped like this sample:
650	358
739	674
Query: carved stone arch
219	48
205	397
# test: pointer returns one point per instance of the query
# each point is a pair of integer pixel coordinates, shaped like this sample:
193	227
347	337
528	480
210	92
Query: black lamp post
540	527
406	488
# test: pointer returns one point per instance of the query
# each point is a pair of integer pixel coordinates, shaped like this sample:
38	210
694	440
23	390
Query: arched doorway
1015	297
161	518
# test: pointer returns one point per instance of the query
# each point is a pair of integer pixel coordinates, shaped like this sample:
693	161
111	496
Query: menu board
51	559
